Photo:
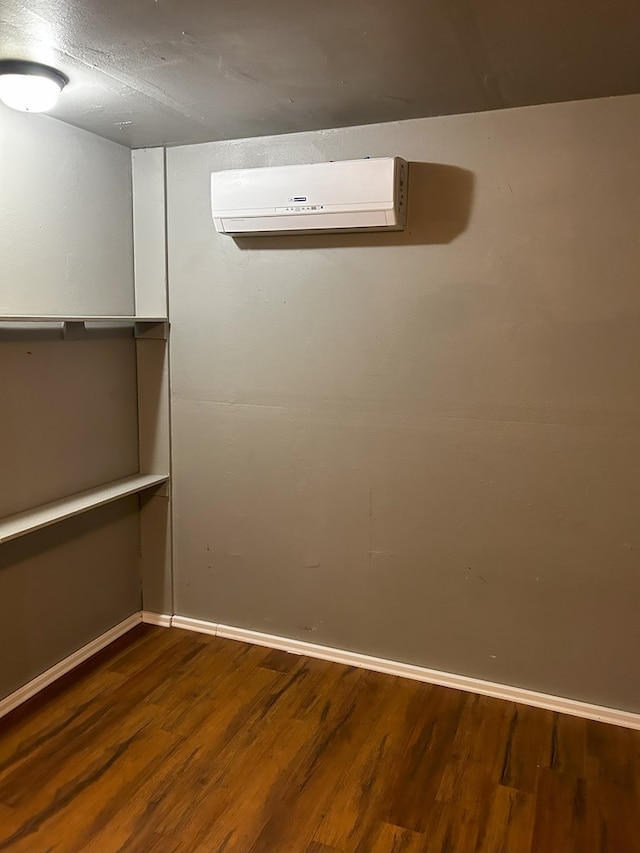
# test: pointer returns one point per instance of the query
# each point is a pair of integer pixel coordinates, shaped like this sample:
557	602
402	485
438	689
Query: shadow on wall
440	198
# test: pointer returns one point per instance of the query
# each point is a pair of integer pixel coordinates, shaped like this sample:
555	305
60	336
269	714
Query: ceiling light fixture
30	86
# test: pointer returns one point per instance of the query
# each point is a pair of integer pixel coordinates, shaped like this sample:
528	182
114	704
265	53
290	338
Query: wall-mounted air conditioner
348	195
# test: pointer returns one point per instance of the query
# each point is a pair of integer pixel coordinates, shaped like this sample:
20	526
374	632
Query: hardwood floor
169	741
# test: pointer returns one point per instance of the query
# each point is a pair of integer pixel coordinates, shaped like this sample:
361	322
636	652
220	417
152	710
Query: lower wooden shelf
78	318
25	522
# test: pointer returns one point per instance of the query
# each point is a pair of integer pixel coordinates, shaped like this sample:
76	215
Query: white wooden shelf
22	523
75	326
71	318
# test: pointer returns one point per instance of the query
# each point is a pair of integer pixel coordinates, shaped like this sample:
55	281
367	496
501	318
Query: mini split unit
350	195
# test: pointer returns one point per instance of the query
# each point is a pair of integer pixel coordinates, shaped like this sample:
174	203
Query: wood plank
273	747
316	847
393	839
60	802
424	756
472	772
361	791
124	803
562	819
613	774
5	814
569	745
301	800
528	747
508	827
280	661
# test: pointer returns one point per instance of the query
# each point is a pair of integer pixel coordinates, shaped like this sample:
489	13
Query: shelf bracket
73	330
153	330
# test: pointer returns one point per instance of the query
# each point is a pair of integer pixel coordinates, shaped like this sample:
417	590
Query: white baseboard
418	673
161	619
64	666
199	625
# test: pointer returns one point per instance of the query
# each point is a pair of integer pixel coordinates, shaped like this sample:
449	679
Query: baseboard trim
163	620
548	702
200	626
66	665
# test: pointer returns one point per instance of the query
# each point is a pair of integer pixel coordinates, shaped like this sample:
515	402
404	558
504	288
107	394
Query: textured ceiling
153	72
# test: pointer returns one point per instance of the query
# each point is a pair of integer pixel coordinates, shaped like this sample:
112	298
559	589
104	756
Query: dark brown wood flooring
171	741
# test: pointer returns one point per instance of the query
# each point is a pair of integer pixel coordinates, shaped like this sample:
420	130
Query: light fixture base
30	86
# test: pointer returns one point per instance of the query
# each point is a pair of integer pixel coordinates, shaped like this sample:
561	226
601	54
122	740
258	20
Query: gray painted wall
65	585
423	446
70	416
68	413
65	219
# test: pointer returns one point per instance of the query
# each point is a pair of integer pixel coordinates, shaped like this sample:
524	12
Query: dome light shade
29	86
